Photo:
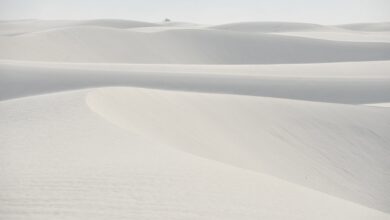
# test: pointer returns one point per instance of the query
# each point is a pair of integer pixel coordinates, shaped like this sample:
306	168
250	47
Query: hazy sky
202	11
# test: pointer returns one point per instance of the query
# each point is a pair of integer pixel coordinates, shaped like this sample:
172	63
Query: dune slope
117	119
384	26
97	44
19	27
270	27
93	170
338	149
356	83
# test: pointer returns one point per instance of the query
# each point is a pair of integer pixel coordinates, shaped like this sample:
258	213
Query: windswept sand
114	119
348	83
182	46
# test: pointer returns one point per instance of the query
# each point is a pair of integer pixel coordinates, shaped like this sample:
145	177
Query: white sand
13	28
286	141
378	32
181	46
71	164
355	36
385	105
357	83
303	142
270	27
375	27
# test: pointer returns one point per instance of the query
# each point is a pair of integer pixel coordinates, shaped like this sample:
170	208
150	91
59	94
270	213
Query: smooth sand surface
182	46
349	83
61	160
116	119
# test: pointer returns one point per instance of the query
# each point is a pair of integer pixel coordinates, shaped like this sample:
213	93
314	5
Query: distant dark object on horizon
167	20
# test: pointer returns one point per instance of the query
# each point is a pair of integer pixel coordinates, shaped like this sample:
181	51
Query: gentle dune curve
384	105
13	28
97	44
338	149
270	27
352	83
352	36
383	27
69	165
118	119
375	32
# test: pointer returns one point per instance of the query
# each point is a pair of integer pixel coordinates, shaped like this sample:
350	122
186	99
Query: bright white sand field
118	119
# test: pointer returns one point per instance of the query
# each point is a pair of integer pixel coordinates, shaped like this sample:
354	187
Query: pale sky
202	11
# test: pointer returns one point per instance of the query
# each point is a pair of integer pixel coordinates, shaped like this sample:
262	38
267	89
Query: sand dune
270	27
358	83
311	142
116	119
96	44
385	26
93	170
275	27
385	105
374	32
352	36
12	28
